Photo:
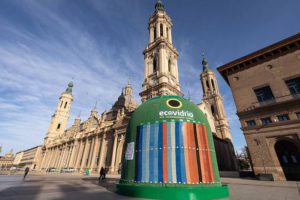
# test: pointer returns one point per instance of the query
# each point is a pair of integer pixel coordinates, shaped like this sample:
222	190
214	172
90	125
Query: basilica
98	141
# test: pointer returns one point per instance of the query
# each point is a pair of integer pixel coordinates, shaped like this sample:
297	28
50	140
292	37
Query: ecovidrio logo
175	104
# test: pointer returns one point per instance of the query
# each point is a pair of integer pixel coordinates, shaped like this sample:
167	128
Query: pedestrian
26	172
102	174
105	172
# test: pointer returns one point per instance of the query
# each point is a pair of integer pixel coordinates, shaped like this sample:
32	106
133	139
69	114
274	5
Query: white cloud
35	70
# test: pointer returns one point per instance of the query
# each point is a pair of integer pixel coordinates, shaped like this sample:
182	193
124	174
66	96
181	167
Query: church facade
98	141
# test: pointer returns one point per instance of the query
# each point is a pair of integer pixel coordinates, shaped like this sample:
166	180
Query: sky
98	44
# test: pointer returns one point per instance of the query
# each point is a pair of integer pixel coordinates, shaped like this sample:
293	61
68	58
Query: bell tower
214	101
160	57
61	115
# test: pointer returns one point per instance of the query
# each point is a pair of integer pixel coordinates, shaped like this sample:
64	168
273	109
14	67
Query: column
95	152
51	157
176	69
58	156
170	35
83	162
79	155
61	156
68	153
46	159
50	163
91	152
160	61
120	152
151	34
113	159
75	146
103	150
157	30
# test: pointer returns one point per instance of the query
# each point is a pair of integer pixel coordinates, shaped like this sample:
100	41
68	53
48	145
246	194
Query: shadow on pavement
20	191
108	183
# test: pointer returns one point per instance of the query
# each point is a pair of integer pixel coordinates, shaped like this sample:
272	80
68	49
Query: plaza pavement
55	187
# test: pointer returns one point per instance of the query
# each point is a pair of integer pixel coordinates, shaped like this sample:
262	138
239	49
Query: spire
159	5
128	82
70	87
78	116
205	64
95	106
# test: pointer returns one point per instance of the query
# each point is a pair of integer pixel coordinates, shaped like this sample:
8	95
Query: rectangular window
264	94
298	115
251	123
266	121
294	85
284	117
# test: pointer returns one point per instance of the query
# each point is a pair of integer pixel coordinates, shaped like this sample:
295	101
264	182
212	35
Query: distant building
31	158
266	90
94	143
6	161
18	158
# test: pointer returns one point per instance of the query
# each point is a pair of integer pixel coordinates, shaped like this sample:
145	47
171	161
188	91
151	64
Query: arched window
154	34
155	64
207	84
169	65
66	104
212	109
213	84
61	103
161	30
58	126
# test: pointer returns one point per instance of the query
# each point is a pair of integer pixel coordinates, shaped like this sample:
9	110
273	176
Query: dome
159	5
169	144
70	84
69	88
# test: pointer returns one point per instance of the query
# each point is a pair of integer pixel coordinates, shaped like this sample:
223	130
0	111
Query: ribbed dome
167	108
70	87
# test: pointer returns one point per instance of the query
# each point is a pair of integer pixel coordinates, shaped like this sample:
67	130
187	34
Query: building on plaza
94	143
6	161
98	141
266	90
31	158
18	158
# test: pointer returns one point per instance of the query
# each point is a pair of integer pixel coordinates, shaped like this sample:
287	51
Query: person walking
26	172
102	174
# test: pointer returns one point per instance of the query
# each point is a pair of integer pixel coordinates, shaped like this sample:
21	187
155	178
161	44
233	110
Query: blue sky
43	44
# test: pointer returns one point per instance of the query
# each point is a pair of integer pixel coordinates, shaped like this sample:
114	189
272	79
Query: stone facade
160	57
32	158
18	158
6	161
94	143
266	89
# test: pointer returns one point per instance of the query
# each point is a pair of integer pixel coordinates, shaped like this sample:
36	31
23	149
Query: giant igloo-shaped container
169	153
